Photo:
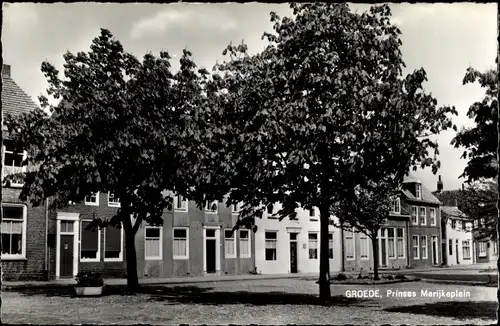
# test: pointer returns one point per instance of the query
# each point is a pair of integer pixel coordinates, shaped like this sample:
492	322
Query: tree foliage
122	125
322	109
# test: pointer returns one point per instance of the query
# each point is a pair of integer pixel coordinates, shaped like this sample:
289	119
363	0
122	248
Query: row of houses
41	243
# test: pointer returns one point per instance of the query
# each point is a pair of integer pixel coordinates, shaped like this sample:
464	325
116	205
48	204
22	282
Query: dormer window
418	190
396	206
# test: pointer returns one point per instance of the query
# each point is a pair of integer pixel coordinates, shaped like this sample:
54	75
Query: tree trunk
132	277
498	167
324	259
375	254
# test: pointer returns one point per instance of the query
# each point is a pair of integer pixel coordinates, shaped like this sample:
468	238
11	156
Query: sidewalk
11	285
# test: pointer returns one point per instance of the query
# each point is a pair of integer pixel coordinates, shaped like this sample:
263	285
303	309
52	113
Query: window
330	245
364	246
312	214
418	191
450	246
468	226
396	206
466	249
423	241
89	243
349	244
495	248
13	231
416	247
13	160
92	199
453	224
113	201
211	207
181	204
271	242
152	246
483	245
113	243
400	248
236	208
181	244
422	216
414	215
245	249
390	239
432	216
229	244
313	246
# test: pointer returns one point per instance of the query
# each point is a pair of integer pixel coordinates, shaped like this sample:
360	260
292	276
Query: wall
460	235
427	230
33	267
302	225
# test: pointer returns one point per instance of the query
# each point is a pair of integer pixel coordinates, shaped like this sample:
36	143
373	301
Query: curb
376	283
458	282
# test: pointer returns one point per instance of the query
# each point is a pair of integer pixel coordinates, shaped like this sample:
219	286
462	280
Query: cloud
187	17
19	17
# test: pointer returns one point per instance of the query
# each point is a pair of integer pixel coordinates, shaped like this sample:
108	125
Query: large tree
122	125
322	109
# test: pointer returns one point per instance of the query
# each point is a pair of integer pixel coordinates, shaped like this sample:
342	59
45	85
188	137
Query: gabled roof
14	99
452	211
427	196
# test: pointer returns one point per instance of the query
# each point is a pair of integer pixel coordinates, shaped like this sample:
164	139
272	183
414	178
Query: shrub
400	277
89	279
340	277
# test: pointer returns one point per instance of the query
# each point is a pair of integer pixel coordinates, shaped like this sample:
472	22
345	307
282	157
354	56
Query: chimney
6	70
439	185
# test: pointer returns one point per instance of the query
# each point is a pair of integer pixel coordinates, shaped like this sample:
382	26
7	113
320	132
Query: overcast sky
444	39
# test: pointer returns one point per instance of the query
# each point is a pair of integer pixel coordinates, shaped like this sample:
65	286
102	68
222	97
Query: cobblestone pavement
257	301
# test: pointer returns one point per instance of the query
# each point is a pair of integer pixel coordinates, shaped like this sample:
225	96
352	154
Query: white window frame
271	240
22	169
184	204
396	203
309	242
111	203
466	244
24	234
364	237
270	215
226	255
420	220
433	221
482	253
416	245
404	243
120	258
236	208
414	209
312	214
210	204
160	256
349	236
98	254
89	203
424	253
248	240
418	190
178	257
393	238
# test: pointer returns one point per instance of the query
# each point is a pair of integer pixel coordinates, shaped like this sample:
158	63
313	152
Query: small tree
122	125
367	209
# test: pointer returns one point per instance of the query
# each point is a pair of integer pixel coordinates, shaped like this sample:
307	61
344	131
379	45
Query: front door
383	248
293	253
434	251
456	251
66	254
211	253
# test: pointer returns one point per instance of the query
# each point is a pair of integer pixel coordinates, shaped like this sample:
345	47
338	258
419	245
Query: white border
413	246
91	203
217	248
367	246
120	258
75	217
187	243
425	215
426	247
210	204
160	256
353	245
404	243
98	255
432	209
111	204
226	255
249	243
22	256
277	238
176	201
309	245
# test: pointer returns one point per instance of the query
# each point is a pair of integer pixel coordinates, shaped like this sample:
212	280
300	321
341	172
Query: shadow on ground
461	310
204	295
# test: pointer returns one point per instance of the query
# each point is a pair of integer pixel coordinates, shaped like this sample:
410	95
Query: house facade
292	245
24	227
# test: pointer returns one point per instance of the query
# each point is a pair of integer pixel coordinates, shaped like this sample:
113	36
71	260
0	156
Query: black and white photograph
250	163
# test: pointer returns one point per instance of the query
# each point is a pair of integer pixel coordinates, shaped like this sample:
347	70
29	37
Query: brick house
23	226
409	238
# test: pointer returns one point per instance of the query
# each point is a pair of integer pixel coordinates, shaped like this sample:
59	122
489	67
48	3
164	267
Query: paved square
258	301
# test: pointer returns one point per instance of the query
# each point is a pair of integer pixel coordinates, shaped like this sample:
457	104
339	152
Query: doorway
66	245
293	252
211	250
435	250
67	255
383	247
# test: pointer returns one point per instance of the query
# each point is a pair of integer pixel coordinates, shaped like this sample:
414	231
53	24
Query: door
293	253
383	248
211	247
456	251
66	254
434	251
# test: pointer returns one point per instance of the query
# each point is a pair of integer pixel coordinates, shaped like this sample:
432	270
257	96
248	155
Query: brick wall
33	267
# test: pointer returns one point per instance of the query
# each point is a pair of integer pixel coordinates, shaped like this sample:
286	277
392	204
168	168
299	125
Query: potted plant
88	284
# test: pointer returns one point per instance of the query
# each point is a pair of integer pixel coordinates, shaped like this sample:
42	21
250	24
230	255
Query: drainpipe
46	235
342	248
409	246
